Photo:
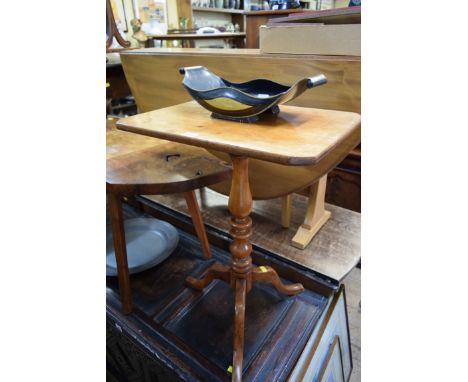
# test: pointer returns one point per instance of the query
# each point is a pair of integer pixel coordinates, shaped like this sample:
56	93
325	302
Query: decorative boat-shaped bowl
243	102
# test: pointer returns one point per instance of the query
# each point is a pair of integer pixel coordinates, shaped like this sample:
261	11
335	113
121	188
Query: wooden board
333	252
298	136
155	81
317	38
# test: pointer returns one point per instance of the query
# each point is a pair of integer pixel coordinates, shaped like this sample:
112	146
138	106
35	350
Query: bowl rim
242	83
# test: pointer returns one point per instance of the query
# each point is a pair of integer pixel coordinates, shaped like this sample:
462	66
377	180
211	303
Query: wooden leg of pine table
216	271
197	220
239	322
268	274
120	249
316	215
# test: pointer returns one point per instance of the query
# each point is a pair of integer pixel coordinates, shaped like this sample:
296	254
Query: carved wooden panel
190	332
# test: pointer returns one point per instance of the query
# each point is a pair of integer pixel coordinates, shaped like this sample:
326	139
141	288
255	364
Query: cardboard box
311	38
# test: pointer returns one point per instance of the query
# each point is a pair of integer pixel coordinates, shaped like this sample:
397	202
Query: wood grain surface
333	252
155	81
137	164
271	180
297	136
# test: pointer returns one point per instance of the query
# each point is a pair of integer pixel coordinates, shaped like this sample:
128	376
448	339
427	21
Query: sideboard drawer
327	354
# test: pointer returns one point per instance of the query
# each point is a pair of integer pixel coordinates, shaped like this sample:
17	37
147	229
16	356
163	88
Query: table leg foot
239	321
269	275
316	215
216	271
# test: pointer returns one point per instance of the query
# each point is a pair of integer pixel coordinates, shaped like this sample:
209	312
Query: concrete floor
353	297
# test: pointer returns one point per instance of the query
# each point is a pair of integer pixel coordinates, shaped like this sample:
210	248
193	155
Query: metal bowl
242	102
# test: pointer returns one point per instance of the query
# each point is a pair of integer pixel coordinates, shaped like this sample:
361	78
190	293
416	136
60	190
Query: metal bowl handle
317	80
189	68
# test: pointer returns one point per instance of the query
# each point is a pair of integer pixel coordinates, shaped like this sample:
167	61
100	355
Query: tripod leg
216	271
269	275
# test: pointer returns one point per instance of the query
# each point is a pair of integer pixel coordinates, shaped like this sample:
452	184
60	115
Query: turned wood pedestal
296	137
241	274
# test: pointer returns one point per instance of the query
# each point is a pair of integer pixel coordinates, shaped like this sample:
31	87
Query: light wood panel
296	137
316	215
155	81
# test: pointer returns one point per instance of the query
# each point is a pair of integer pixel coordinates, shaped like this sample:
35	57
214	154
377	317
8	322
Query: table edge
231	149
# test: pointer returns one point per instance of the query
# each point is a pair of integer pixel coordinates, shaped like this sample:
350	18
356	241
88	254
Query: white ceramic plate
149	242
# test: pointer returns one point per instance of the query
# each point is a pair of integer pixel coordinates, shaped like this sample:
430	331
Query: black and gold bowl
242	102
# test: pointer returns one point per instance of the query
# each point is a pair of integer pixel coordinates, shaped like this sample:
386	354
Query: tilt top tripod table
297	136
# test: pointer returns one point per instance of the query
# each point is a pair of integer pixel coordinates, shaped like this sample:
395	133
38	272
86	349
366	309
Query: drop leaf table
296	137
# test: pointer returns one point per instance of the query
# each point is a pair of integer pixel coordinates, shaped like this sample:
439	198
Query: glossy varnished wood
240	205
241	274
139	165
298	136
271	180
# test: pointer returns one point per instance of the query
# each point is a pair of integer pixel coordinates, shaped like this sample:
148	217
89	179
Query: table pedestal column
241	273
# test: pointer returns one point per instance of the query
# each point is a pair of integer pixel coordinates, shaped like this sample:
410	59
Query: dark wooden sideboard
178	334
